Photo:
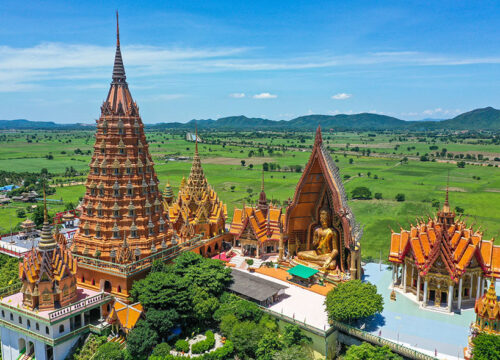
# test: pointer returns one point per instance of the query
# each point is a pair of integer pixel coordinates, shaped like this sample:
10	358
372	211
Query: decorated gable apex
320	186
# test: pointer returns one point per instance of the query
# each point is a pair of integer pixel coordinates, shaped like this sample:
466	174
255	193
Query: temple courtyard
402	321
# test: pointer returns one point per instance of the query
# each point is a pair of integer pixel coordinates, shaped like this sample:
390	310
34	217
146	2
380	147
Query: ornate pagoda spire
47	240
196	183
446	216
118	68
127	195
319	138
263	205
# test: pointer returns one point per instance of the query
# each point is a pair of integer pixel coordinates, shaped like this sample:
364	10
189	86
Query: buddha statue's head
324	218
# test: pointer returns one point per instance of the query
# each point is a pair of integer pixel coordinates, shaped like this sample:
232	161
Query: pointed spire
118	68
196	139
446	207
319	139
262	183
47	241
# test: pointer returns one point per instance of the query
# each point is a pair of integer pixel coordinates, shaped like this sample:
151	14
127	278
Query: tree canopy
486	347
361	193
366	351
353	300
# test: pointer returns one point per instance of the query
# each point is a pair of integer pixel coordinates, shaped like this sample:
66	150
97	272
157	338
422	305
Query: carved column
426	284
353	269
450	296
394	275
478	290
404	276
459	305
418	287
280	248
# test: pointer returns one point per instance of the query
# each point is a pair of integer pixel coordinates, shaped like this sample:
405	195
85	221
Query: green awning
302	271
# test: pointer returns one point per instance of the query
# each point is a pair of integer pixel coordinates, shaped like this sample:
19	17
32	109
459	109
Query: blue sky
275	59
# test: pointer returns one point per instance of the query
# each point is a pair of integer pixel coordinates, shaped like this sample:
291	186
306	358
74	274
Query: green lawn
421	182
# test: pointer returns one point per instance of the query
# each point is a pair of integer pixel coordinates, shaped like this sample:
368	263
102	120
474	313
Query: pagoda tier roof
488	306
265	228
455	243
126	315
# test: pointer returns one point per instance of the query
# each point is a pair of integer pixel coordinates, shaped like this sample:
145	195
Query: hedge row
201	346
182	346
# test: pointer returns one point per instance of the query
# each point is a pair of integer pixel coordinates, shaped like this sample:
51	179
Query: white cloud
237	95
341	96
265	95
441	111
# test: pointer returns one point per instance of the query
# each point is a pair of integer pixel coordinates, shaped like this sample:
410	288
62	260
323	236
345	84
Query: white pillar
404	277
393	275
425	292
478	290
412	273
459	305
418	287
450	297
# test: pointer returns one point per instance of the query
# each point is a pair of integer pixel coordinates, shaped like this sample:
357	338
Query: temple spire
118	68
47	241
446	206
319	139
262	183
196	139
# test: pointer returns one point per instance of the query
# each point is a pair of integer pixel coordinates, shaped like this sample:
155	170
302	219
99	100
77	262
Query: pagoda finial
446	206
262	183
117	30
319	139
118	68
45	215
196	139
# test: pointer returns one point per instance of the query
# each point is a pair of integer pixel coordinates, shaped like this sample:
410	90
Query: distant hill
480	119
23	124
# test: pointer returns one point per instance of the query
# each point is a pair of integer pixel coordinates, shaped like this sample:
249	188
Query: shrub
182	345
21	213
378	196
162	349
400	197
249	261
204	345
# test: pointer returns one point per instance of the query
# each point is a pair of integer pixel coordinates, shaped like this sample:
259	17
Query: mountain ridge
486	118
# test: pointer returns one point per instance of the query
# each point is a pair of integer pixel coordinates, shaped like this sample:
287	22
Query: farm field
473	188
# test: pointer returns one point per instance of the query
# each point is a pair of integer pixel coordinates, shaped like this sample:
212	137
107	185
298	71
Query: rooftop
254	287
302	271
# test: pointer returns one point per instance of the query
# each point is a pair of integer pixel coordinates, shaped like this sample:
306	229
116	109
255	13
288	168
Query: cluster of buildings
69	288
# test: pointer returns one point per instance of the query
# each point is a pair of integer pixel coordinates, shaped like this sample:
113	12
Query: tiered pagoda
258	230
48	273
197	211
487	310
122	219
320	229
442	262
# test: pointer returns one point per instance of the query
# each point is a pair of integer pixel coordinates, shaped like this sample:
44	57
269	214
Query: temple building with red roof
442	262
258	230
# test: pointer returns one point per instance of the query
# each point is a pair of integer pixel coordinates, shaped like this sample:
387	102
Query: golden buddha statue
325	244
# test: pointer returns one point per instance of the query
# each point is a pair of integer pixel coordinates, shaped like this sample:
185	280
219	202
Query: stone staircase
117	339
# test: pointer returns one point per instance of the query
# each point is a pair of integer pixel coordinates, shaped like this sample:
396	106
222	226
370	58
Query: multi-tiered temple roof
449	239
122	215
197	209
48	273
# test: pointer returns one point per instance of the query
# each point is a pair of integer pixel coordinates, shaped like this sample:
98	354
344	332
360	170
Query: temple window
101	192
99	213
129	171
92	192
117	171
122	151
103	151
131	212
47	331
104	171
61	329
116	235
87	232
162	228
11	317
98	234
96	171
151	231
129	191
89	212
20	320
157	208
116	213
119	289
3	313
120	131
140	151
139	170
466	292
148	169
116	192
104	131
37	326
148	211
133	233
